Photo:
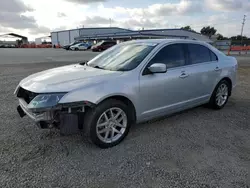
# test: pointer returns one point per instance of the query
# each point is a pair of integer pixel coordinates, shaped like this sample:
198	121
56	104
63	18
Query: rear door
203	71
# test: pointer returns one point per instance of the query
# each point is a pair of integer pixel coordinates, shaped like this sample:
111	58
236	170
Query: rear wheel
220	95
107	124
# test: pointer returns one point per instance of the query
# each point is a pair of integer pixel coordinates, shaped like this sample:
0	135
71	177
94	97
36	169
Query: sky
37	18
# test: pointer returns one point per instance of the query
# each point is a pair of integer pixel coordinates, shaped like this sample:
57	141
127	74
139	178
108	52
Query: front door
164	93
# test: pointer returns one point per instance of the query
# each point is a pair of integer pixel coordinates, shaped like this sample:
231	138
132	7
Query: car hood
66	78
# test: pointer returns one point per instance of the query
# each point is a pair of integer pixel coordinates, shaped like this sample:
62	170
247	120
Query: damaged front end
45	110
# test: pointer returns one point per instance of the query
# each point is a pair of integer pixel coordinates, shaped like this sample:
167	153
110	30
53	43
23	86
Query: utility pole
243	23
109	22
143	18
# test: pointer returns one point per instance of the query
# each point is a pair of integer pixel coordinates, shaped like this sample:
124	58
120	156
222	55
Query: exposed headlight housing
44	101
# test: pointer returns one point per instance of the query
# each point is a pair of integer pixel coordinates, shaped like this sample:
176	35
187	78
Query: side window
213	56
198	53
172	56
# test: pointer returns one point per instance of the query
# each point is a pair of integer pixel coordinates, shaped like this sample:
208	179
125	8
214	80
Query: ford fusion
131	82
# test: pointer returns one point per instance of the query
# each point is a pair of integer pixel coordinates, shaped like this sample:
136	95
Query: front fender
100	91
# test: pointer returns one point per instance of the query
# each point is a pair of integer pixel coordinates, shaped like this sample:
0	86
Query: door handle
217	69
183	75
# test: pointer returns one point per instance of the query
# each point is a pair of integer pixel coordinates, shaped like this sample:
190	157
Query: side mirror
158	68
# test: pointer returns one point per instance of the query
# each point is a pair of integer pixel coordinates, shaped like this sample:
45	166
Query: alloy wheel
111	125
222	95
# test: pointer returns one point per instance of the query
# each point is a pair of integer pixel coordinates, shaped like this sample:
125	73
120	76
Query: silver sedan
129	83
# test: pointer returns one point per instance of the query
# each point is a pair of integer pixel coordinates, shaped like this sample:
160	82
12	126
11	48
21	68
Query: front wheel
220	95
107	124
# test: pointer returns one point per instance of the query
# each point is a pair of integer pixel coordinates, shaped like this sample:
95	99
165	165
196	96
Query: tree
208	31
238	37
187	28
221	37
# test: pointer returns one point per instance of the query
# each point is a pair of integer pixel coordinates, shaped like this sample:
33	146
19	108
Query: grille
26	95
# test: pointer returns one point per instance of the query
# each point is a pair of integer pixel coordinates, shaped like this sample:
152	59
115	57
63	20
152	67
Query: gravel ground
196	148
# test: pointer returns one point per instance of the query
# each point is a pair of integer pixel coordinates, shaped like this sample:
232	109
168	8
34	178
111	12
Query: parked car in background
13	46
101	46
8	46
67	47
81	46
132	82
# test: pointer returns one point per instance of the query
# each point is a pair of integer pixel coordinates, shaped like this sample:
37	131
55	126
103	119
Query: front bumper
46	116
68	117
66	122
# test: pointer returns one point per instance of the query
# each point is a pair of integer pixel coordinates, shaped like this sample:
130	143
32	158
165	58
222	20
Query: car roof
165	41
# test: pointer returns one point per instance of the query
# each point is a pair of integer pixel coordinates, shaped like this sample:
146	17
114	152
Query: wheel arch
126	101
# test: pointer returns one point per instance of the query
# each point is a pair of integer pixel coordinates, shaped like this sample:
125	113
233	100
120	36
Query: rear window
198	53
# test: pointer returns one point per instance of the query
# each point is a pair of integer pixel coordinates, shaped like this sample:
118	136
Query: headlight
45	100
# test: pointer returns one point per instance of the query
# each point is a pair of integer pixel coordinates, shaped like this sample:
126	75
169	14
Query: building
222	44
42	40
13	39
119	34
68	36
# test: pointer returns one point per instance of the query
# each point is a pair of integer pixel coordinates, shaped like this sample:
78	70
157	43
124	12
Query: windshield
123	57
73	43
99	43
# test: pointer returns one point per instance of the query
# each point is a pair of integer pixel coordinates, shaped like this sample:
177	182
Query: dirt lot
196	148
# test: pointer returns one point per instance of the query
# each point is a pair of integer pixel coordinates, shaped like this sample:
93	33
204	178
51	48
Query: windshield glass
73	43
123	57
99	43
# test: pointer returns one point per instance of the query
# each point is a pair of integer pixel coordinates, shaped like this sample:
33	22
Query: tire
96	115
76	49
214	100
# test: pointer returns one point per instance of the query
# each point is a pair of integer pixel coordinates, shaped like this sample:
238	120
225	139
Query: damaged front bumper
46	115
66	117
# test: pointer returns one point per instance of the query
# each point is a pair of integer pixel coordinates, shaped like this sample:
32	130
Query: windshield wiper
97	67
